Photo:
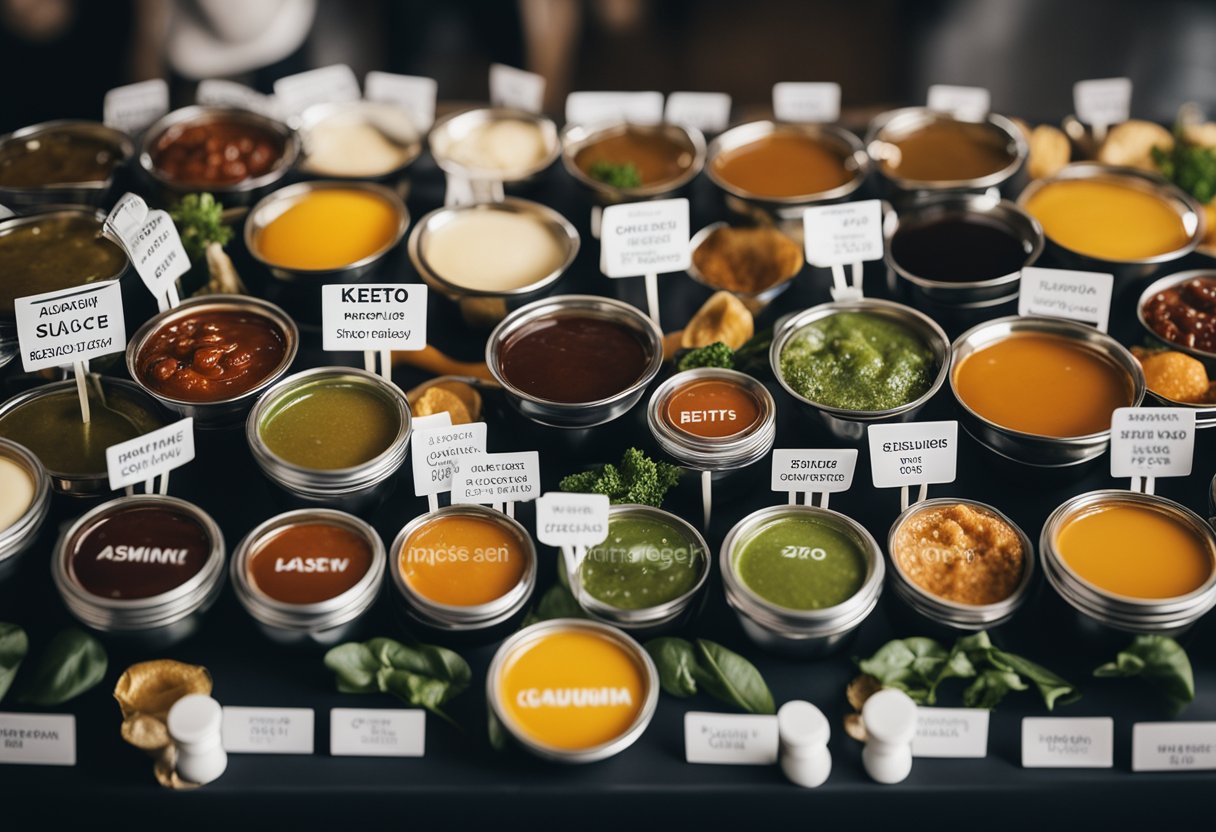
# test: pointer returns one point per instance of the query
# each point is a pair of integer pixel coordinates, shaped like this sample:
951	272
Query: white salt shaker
804	733
195	723
890	720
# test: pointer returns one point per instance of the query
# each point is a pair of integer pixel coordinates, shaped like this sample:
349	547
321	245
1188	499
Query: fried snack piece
1174	375
1131	144
437	400
1049	147
721	318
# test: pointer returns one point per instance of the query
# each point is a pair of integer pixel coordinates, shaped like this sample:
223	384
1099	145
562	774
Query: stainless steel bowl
577	136
713	453
223	413
1189	212
1027	448
754	301
576	414
393	122
479	307
986	207
778	208
237	193
18	536
93	194
1167	282
453	128
851	424
272	206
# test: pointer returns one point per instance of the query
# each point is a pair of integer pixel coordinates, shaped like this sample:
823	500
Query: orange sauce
328	229
462	561
783	164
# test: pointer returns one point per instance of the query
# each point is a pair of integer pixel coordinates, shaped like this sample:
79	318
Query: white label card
567	519
1063	742
151	241
1152	442
730	739
155	453
708	112
373	316
413	93
1174	746
602	107
268	730
638	238
135	106
518	88
1062	293
296	93
813	101
218	92
375	732
813	469
838	235
69	325
911	453
966	103
38	739
1103	101
435	452
442	419
496	478
960	733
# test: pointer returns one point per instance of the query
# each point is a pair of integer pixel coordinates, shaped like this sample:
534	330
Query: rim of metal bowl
577	136
122	141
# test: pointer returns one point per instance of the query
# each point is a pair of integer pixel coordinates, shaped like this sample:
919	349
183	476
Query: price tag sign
151	241
70	325
966	103
960	733
336	82
1174	746
38	739
1103	101
435	453
1061	293
496	478
708	112
817	101
517	88
413	93
600	107
148	456
1152	442
912	453
640	238
1059	742
373	316
815	470
838	235
218	92
268	730
135	106
567	519
375	732
730	739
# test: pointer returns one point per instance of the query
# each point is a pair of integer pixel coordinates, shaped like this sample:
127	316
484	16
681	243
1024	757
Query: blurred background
60	56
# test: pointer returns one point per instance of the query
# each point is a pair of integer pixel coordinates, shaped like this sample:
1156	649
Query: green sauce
54	253
50	427
328	425
801	563
857	361
645	562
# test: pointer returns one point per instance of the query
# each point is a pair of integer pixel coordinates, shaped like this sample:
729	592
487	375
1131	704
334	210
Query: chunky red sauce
216	152
1185	314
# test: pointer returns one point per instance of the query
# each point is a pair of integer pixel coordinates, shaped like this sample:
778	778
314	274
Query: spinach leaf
917	666
676	662
990	687
685	667
355	665
14	644
495	731
72	663
557	602
1054	689
1159	659
425	676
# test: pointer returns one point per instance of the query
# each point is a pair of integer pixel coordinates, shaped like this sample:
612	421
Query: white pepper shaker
195	722
804	733
890	721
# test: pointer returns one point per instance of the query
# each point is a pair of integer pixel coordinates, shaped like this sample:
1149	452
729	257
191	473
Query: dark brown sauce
573	359
139	552
958	250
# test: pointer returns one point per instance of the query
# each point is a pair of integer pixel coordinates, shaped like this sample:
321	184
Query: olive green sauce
56	252
643	563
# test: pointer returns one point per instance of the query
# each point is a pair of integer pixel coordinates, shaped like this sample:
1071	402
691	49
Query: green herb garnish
1189	167
1161	661
200	221
14	644
686	667
72	663
638	479
624	175
716	354
424	676
751	357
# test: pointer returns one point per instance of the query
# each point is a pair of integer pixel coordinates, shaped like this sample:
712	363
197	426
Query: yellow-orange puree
328	229
462	561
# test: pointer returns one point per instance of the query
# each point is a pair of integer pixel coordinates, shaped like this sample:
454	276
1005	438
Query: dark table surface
461	777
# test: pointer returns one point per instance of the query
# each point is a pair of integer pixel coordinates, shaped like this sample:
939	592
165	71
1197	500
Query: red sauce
307	563
1185	314
573	359
211	356
216	152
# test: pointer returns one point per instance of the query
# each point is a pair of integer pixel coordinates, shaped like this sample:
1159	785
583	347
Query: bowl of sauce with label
64	162
25	499
627	162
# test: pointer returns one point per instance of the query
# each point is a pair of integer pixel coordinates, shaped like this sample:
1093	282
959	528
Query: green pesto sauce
801	563
643	563
327	425
857	361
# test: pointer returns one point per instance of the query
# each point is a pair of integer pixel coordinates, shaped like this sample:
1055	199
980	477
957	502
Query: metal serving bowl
21	534
577	136
1189	211
576	414
481	307
1027	448
851	424
761	206
93	194
452	128
391	121
228	412
754	301
1160	285
272	206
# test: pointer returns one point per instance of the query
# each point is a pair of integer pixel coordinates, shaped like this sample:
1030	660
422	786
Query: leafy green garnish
72	663
14	644
638	479
424	676
1161	661
557	602
200	220
624	175
716	354
1189	167
686	667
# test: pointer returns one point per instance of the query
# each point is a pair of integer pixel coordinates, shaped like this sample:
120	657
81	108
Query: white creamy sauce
493	251
16	492
509	147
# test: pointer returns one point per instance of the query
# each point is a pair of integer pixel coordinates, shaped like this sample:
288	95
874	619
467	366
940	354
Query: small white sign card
376	732
708	112
596	107
1174	746
268	730
152	455
1066	742
913	453
434	456
413	93
1102	103
220	92
573	523
497	479
151	241
812	471
374	317
38	739
965	103
730	739
806	101
1152	442
516	88
960	733
849	233
135	106
645	239
333	83
1064	293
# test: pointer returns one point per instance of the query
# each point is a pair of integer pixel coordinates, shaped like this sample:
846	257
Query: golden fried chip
152	687
1174	375
145	732
854	727
721	318
437	400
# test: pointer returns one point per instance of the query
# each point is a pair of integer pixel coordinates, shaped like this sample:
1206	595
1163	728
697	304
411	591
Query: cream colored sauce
492	251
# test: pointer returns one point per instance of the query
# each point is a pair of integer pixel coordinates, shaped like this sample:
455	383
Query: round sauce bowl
629	162
494	144
1178	312
66	162
361	139
25	499
713	419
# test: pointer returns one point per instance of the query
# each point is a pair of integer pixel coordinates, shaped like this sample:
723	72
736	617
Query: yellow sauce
1108	220
328	229
462	561
1135	551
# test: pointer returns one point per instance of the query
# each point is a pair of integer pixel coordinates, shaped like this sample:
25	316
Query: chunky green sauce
644	562
857	361
801	563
